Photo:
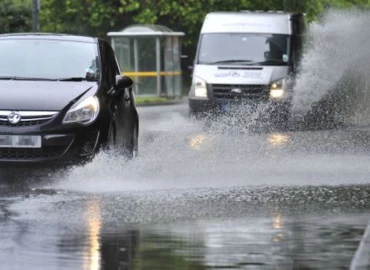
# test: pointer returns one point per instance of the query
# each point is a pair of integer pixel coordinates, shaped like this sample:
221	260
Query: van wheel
280	117
197	115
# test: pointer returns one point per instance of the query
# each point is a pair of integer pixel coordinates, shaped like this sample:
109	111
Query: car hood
41	95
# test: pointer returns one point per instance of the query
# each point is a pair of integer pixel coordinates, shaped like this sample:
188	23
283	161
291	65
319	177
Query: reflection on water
86	234
278	224
272	236
278	139
259	243
200	141
92	251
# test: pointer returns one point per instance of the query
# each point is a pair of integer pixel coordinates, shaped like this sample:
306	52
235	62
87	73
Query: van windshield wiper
271	63
17	78
75	79
229	61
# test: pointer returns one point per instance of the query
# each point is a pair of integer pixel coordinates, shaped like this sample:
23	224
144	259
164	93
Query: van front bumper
206	107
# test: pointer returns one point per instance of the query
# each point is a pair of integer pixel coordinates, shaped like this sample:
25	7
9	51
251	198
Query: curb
361	259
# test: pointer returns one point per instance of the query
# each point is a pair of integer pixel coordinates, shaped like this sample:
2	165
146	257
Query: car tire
110	144
131	148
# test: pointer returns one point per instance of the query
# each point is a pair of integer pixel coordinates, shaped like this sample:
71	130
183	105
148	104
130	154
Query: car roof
49	36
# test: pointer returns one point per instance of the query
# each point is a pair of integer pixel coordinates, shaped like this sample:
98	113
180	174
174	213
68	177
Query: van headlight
277	89
84	112
199	88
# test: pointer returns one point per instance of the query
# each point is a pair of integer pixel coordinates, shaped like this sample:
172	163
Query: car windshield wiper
17	78
76	79
230	61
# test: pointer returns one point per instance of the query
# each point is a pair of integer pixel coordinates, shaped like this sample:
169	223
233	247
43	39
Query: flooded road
196	198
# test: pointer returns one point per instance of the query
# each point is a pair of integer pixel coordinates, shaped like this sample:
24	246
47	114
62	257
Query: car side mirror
123	82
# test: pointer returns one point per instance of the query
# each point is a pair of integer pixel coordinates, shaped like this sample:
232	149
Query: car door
122	102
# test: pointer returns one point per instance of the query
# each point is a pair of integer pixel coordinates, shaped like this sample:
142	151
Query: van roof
273	22
257	13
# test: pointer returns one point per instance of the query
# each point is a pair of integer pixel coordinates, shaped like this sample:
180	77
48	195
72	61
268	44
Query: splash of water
337	52
182	155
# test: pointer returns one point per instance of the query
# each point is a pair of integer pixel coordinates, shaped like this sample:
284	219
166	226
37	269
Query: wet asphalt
199	196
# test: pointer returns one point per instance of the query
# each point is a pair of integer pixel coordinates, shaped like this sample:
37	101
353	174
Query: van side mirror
123	82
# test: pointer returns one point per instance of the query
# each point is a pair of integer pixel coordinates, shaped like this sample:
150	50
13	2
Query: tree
85	17
15	16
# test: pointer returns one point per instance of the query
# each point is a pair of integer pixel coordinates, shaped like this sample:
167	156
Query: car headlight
199	88
277	89
84	112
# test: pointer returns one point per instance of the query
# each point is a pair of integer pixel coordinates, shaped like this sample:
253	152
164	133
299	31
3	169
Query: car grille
22	123
225	91
28	118
31	153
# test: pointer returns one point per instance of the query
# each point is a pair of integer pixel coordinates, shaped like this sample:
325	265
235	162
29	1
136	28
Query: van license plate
20	141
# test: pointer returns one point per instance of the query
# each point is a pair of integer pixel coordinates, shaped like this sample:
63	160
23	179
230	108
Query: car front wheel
131	147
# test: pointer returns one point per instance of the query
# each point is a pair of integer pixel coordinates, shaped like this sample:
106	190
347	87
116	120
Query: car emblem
236	91
14	118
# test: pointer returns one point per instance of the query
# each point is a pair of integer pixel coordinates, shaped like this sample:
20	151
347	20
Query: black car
63	99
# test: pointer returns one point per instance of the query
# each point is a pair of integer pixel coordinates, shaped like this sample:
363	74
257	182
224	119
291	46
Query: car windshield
48	59
239	48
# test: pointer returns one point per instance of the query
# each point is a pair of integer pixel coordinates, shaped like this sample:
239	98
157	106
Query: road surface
199	196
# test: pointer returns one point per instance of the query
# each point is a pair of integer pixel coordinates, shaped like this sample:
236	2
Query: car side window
112	65
109	64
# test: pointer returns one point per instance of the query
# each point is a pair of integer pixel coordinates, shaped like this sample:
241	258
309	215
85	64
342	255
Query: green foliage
89	17
97	17
15	16
143	100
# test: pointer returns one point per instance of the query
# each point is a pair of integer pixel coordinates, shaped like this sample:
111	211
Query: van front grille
234	91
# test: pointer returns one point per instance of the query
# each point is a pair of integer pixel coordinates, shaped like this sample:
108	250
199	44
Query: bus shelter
151	56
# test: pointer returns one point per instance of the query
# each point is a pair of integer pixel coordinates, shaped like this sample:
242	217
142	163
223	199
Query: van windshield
242	48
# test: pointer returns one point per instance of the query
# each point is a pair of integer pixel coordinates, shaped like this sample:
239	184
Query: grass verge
152	100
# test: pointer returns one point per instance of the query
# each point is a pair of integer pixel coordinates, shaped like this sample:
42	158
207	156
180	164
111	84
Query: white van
245	57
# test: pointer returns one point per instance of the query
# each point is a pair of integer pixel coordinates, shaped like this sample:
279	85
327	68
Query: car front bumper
60	147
